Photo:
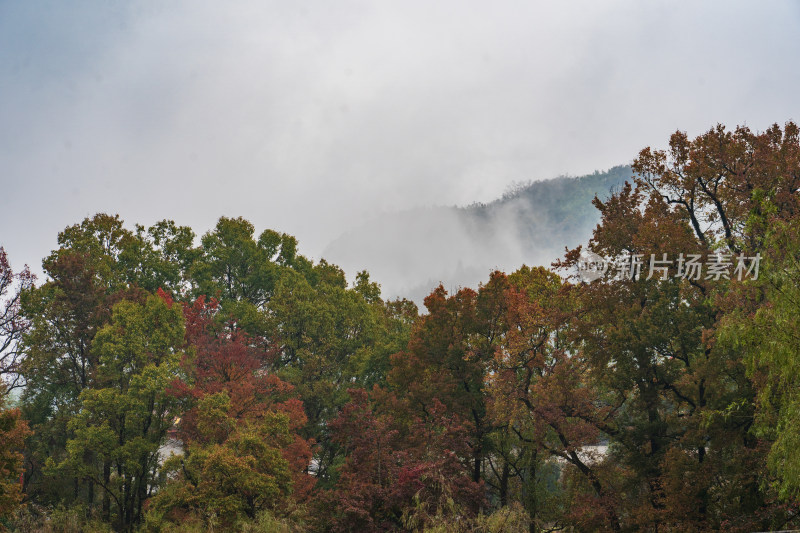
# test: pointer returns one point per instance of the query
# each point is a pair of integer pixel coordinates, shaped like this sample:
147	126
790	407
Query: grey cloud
313	117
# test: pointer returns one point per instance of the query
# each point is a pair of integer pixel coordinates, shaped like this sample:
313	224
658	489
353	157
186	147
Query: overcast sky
311	117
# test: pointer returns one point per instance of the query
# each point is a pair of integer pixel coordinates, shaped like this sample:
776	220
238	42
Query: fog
413	251
314	118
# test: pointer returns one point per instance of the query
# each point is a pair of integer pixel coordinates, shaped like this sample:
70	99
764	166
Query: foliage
241	452
65	314
237	472
123	420
13	431
395	476
12	323
768	338
534	402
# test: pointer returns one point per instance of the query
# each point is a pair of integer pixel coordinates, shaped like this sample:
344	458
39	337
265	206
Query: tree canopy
227	382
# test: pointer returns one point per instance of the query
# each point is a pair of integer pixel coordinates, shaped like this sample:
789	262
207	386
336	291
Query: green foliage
66	313
559	205
234	266
768	338
332	338
237	472
123	420
58	520
530	404
102	354
152	258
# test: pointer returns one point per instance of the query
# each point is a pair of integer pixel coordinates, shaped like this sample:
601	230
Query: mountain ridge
530	224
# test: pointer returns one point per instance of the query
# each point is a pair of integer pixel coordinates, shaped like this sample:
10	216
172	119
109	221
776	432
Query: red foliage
225	360
165	296
393	472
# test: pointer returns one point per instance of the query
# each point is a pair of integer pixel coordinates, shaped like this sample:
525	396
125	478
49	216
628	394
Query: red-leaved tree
226	360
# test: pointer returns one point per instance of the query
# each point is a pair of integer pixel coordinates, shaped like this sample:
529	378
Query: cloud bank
312	117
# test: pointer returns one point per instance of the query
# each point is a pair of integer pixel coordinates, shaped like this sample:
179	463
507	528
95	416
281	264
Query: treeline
651	399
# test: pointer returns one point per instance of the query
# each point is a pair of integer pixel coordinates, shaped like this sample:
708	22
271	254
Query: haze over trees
530	224
649	399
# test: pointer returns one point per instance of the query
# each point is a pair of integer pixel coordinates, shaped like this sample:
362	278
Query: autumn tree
13	431
98	263
225	360
12	323
544	397
739	190
241	451
716	181
437	366
398	473
683	403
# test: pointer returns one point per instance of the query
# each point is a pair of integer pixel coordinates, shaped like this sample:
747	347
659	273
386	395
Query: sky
312	117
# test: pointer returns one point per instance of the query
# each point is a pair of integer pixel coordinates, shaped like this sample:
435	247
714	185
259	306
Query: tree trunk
106	496
504	484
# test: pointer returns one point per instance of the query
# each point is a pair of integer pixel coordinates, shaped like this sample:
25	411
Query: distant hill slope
411	252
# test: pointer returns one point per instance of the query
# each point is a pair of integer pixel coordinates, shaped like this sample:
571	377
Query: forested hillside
159	382
412	252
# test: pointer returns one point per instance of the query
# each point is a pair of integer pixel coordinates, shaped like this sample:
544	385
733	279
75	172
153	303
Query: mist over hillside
412	251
